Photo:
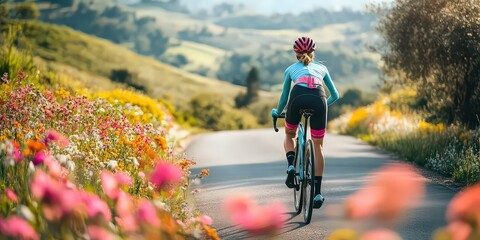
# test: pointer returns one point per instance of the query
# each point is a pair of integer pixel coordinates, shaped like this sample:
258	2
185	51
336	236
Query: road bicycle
303	192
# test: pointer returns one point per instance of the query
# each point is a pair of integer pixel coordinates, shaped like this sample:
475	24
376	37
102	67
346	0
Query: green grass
198	55
91	60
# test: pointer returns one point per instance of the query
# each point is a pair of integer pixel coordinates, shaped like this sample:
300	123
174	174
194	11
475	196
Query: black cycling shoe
290	177
318	201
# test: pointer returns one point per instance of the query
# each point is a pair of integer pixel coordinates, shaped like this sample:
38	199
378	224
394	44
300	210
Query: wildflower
206	220
255	219
212	233
35	146
204	173
141	175
56	137
39	158
25	212
98	233
15	227
465	206
95	206
344	234
124	209
147	213
165	174
383	234
111	183
112	164
378	199
11	195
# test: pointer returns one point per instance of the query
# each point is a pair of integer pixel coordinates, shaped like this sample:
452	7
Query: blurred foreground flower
463	215
381	234
392	190
16	228
258	220
165	174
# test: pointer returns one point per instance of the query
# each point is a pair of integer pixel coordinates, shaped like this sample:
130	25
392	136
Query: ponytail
305	58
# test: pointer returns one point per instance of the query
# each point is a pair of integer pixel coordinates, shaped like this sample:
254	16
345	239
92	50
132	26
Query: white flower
25	212
61	158
102	110
112	164
196	181
31	167
71	166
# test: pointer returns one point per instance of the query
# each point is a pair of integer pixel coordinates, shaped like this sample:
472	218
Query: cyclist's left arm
331	88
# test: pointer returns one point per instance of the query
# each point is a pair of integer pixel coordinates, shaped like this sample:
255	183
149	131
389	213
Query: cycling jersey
310	76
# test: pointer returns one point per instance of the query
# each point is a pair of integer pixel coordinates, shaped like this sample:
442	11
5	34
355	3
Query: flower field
451	150
91	167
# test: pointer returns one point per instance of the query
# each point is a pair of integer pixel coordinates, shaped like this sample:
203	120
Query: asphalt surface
253	162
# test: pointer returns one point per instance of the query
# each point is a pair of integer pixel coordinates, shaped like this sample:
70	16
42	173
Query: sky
285	6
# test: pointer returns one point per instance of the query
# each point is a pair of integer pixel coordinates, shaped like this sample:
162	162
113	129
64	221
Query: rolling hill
91	60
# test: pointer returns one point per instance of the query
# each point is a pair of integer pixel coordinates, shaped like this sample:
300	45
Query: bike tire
308	184
298	189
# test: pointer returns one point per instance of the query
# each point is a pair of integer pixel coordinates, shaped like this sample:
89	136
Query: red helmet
304	44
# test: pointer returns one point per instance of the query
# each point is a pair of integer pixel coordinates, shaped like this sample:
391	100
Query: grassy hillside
93	59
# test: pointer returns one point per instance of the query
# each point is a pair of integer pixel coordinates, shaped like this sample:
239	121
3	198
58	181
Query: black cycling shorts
307	98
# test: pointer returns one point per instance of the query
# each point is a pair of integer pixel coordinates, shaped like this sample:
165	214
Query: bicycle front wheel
308	184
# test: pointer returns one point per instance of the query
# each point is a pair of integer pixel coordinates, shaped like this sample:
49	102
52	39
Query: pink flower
15	227
258	220
11	195
141	175
381	234
206	220
147	213
39	158
393	189
111	183
166	174
125	210
465	206
56	137
98	233
58	200
16	155
96	207
123	179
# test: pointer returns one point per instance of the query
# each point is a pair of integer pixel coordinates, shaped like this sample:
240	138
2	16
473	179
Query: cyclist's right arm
331	88
287	81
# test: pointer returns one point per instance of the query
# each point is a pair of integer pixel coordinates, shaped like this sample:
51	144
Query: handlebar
282	115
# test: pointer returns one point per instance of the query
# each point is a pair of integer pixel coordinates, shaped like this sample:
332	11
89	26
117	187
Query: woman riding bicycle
307	93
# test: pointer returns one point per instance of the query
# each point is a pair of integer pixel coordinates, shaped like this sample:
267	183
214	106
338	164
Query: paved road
253	162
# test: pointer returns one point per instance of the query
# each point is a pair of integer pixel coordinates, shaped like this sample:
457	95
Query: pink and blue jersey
310	76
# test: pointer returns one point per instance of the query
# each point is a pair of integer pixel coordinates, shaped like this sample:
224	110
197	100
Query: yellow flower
359	116
161	142
344	234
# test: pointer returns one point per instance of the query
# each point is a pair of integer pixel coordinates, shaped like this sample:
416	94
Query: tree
435	44
27	11
253	86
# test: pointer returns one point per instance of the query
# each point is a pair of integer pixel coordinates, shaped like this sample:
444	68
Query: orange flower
35	146
161	142
211	232
204	173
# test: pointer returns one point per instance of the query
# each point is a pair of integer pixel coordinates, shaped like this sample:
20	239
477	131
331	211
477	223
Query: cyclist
307	93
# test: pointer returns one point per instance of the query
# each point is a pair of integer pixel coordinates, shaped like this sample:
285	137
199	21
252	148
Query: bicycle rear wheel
298	189
308	184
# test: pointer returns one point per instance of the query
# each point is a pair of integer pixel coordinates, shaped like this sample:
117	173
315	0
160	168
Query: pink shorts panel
318	133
